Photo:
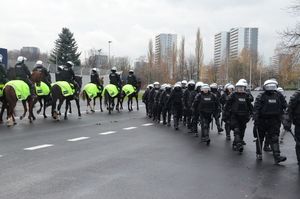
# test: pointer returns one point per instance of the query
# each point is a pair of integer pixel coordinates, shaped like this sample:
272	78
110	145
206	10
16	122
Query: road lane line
1	156
129	128
148	124
107	133
78	139
38	147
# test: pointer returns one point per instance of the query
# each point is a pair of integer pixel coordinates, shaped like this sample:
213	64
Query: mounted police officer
154	90
46	75
239	108
95	79
294	115
114	78
68	75
22	73
204	105
3	75
165	104
228	89
58	73
217	115
131	79
145	97
188	98
176	102
268	109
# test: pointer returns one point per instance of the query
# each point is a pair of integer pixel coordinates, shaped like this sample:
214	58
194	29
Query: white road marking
38	147
129	128
1	156
148	124
78	139
107	133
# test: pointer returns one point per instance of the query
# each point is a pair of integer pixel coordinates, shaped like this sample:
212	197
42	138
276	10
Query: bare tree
191	64
199	54
181	59
174	61
150	61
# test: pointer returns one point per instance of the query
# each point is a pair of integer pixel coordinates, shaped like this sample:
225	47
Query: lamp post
109	42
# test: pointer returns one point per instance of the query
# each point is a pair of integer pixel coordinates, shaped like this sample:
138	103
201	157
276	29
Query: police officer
154	90
176	102
198	87
46	75
3	75
214	90
131	78
58	73
294	115
68	75
268	109
228	89
114	78
204	105
95	79
145	97
165	104
22	73
157	106
239	108
188	98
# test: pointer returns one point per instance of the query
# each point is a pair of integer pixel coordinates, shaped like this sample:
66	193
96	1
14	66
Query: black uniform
294	115
157	109
58	75
151	106
225	116
217	115
204	105
96	80
239	109
3	75
188	98
176	102
166	106
47	76
145	99
131	79
269	107
22	73
67	74
115	79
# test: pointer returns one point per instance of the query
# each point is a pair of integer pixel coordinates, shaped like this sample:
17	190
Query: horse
58	95
130	97
91	92
111	92
10	99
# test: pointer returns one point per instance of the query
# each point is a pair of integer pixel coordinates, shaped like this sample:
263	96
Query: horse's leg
70	106
78	108
137	101
100	101
25	109
128	103
41	105
31	116
44	111
4	106
87	105
66	111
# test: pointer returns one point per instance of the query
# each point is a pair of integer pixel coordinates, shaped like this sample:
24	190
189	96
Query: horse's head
78	80
36	76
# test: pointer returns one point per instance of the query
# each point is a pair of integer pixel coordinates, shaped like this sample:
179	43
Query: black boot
227	129
258	149
276	153
220	129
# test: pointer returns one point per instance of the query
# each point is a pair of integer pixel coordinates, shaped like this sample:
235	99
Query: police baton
258	140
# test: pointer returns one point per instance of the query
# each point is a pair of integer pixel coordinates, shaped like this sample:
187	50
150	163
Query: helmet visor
270	87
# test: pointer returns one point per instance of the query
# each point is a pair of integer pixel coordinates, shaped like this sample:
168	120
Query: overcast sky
131	23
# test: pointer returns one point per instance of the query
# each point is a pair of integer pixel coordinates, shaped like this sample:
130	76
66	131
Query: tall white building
164	45
221	48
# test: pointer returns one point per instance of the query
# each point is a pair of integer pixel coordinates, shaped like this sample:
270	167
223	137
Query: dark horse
10	101
109	101
57	95
85	96
131	96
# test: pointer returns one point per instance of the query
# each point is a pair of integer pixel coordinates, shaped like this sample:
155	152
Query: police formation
196	104
32	86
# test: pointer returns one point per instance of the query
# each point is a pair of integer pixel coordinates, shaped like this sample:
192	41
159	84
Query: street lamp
109	42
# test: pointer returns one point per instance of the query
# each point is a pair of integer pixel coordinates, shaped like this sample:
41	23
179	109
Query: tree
199	54
150	60
174	61
65	49
181	72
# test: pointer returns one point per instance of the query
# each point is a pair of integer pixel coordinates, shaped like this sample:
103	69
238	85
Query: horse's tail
83	95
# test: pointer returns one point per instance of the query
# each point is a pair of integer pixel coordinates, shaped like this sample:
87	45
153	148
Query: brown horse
10	101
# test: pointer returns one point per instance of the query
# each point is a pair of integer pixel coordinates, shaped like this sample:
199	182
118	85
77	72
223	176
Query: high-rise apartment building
164	46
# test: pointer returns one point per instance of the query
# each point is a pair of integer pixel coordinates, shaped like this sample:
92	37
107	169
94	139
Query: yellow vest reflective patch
91	90
65	88
128	89
21	89
42	90
112	90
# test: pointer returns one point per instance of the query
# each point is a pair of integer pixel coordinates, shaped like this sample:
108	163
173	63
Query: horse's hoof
34	118
79	117
101	110
87	112
65	118
21	117
45	116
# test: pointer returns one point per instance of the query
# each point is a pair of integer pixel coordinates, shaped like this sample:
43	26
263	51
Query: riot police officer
239	108
157	106
145	97
46	75
176	102
294	115
214	90
204	105
154	90
3	75
228	89
68	75
268	109
114	78
165	104
188	98
95	79
131	78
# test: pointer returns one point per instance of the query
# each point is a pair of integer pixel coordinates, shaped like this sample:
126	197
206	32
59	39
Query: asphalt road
126	155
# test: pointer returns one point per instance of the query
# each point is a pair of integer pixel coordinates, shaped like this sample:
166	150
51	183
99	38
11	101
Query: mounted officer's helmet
270	85
60	68
156	85
95	69
113	69
214	86
205	88
69	64
131	71
39	63
21	59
